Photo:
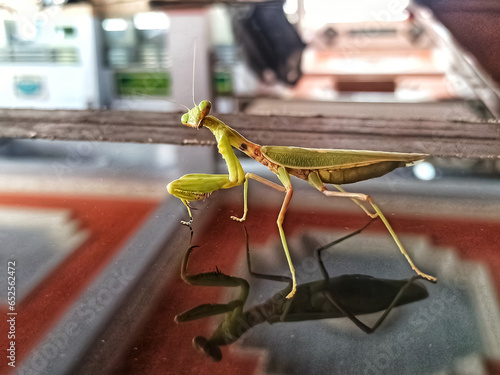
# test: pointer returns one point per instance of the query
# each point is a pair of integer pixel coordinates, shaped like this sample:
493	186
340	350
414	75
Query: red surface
110	221
165	348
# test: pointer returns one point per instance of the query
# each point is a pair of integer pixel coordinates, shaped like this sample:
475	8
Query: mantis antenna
194	66
167	100
179	104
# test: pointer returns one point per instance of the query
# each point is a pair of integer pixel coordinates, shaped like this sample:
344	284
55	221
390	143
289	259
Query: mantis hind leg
315	181
355	200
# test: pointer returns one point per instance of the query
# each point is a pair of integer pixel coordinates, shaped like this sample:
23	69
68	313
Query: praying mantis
332	297
317	166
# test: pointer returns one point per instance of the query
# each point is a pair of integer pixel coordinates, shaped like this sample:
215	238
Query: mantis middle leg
316	182
285	180
284	177
262	180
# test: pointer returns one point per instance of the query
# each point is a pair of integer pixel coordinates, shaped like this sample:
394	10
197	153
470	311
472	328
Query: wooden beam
471	139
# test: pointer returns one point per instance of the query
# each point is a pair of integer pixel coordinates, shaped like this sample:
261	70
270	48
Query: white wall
187	28
65	85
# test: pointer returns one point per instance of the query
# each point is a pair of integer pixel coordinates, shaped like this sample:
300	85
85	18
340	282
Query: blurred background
90	54
91	94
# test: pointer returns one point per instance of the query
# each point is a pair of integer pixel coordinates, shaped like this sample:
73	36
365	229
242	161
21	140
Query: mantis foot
188	223
432	279
292	293
241	220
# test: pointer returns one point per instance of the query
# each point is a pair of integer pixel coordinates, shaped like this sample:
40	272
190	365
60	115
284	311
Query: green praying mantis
317	166
332	297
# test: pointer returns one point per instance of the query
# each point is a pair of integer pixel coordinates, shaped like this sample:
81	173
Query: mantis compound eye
205	107
211	350
185	118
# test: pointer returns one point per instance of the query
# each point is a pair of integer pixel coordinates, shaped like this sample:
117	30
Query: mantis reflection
332	297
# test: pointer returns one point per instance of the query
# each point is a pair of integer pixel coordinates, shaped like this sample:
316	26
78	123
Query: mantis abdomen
347	176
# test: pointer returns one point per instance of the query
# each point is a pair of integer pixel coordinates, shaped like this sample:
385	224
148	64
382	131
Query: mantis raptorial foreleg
196	186
316	182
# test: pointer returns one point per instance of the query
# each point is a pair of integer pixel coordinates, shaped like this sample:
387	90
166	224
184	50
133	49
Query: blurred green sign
143	83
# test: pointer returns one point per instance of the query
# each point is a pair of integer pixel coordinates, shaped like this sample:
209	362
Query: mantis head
194	117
